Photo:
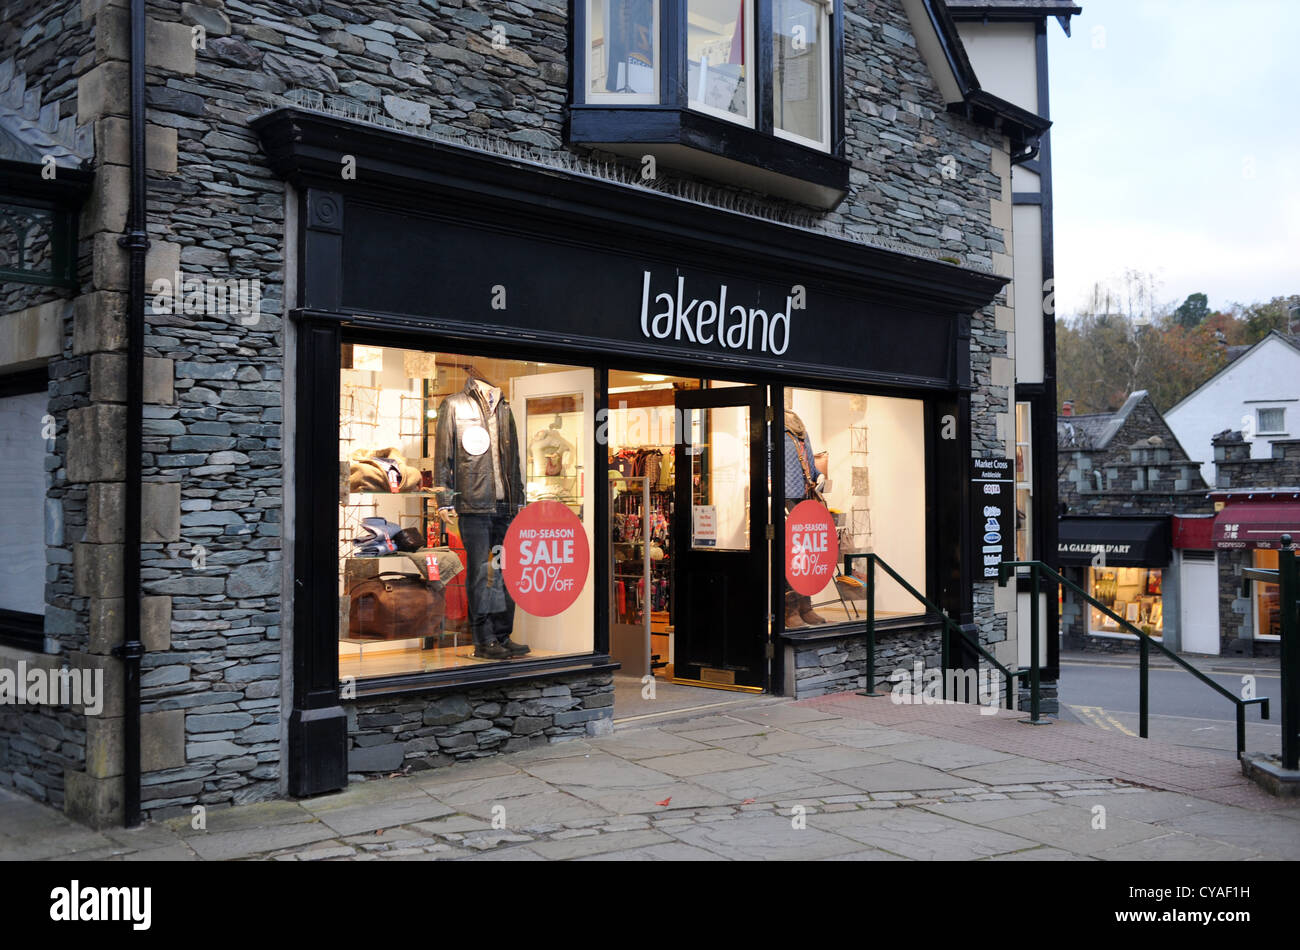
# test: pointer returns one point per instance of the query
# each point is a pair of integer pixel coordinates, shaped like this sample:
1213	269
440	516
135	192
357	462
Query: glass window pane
718	456
717	49
1272	420
624	38
1134	593
465	507
1268	605
866	455
799	51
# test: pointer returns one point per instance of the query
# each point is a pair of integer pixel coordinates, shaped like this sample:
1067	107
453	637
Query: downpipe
136	242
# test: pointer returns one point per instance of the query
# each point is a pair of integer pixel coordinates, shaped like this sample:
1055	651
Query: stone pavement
839	777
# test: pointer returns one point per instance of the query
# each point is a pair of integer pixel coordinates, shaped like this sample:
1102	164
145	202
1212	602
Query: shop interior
1133	593
865	458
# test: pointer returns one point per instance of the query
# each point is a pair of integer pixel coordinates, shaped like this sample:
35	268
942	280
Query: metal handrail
1145	642
949	626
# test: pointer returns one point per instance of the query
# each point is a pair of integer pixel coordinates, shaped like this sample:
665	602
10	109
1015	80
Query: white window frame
1259	422
751	71
619	98
827	35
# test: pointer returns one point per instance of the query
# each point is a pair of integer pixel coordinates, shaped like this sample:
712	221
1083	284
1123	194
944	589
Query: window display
1133	593
439	455
1267	597
863	459
1024	485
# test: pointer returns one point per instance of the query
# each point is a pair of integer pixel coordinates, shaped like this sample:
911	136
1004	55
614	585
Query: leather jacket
464	481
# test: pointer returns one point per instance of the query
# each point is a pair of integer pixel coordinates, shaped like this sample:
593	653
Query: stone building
353	212
1257	502
1123	477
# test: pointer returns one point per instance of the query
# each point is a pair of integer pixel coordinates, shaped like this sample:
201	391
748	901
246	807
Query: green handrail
949	626
1145	642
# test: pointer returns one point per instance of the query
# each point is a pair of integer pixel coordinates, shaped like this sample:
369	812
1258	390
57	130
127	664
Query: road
1183	710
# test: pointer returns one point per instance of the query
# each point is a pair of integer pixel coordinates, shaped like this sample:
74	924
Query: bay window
748	92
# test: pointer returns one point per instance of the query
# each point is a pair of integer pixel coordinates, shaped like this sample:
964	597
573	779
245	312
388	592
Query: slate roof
1044	7
1094	430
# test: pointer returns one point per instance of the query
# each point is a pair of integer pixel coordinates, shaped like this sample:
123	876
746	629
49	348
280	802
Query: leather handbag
393	606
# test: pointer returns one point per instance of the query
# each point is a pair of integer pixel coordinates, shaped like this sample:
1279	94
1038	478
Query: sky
1176	148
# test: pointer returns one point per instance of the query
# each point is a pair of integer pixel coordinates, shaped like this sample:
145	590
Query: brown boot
792	618
807	614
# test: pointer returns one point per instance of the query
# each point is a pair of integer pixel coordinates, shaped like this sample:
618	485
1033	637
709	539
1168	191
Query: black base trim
444	681
313	733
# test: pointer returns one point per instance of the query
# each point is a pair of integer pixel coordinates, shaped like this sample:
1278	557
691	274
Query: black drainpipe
136	241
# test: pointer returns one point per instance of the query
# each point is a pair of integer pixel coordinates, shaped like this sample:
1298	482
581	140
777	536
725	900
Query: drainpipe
136	242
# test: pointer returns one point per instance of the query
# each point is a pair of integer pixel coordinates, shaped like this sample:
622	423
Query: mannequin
478	473
799	486
551	451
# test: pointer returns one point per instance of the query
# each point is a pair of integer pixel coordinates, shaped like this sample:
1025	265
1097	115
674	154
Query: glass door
721	538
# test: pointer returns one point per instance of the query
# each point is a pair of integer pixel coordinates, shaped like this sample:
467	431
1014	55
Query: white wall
1005	60
1027	292
1266	377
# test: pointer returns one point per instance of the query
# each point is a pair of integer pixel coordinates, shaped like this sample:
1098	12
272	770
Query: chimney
1067	407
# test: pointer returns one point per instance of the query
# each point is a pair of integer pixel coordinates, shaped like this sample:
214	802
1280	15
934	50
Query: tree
1260	319
1193	311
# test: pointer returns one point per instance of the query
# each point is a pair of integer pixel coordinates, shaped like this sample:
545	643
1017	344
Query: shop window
1024	485
22	513
1270	421
466	511
1267	598
698	69
1134	593
623	51
865	457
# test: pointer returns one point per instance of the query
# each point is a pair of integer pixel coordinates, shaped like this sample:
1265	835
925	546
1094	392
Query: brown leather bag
394	606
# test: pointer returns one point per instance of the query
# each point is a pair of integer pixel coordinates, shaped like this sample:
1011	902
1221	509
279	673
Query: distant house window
1270	420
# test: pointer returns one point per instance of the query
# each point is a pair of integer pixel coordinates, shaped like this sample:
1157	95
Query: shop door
720	537
1198	588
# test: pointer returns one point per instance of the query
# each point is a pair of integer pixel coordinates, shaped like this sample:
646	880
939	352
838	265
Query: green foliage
1193	311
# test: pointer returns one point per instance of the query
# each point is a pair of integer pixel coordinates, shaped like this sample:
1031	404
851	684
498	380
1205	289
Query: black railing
1038	570
950	629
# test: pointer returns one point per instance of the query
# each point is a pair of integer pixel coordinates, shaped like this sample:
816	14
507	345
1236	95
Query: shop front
548	428
1123	563
1247	533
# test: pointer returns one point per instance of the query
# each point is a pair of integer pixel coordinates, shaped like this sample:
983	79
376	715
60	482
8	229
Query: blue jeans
491	610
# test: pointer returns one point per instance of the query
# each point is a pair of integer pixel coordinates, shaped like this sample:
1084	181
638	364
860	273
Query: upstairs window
801	71
623	51
718	38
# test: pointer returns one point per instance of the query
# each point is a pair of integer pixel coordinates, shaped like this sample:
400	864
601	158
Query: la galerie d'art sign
812	548
544	558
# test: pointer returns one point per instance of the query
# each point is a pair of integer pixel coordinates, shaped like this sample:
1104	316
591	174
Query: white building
1258	393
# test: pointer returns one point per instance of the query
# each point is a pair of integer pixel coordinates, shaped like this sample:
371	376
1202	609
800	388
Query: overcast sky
1176	147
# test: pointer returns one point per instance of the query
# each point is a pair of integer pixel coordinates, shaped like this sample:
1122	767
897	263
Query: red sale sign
812	549
545	558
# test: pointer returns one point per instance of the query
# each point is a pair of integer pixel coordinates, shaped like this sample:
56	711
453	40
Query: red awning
1194	532
1256	525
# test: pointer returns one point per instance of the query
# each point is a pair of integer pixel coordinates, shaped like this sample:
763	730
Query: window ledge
858	628
497	674
714	148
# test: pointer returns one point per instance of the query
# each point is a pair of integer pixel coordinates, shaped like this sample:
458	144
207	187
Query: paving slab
570	848
828	758
897	777
686	764
920	835
784	714
771	742
730	731
978	813
1041	853
545	808
672	851
1019	770
467	771
1176	847
246	842
764	838
1265	834
943	754
645	743
356	819
520	853
1149	806
772	782
499	788
646	800
596	770
1071	829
